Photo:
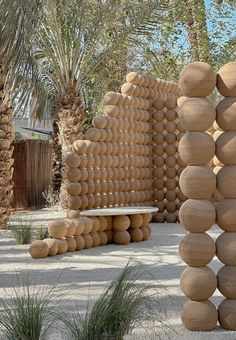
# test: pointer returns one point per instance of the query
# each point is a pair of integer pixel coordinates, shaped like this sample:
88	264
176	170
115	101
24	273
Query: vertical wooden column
197	182
226	186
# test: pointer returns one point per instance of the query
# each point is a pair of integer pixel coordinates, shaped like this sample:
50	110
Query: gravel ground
80	276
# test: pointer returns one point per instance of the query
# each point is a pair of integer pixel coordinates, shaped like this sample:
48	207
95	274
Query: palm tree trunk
70	120
6	150
56	159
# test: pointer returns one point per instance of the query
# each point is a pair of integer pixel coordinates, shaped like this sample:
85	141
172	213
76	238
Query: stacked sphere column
197	181
226	185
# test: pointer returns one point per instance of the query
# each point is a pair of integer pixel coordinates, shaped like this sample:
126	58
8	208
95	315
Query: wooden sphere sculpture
198	283
71	243
226	278
121	223
199	315
227	314
197	80
38	249
198	183
80	242
57	229
136	235
226	248
226	80
226	215
136	221
226	148
62	246
225	114
121	237
52	245
226	181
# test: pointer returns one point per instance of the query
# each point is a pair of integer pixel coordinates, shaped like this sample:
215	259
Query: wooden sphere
80	146
225	114
73	174
171	218
158	104
226	181
197	79
38	249
226	248
52	245
171	115
158	116
96	239
198	283
145	232
99	121
121	223
181	196
158	126
96	224
103	223
79	226
170	149
226	215
226	147
171	184
71	243
197	114
171	195
198	182
197	249
170	126
158	172
134	78
196	148
87	224
159	161
170	103
171	172
103	238
158	138
160	206
57	229
160	217
226	80
171	207
80	243
226	278
74	202
170	138
121	237
136	221
70	227
136	235
199	315
146	219
88	241
181	100
72	160
159	150
109	234
170	161
62	246
74	188
197	216
227	314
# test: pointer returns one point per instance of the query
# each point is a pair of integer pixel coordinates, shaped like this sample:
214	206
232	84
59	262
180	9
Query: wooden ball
38	249
198	283
73	174
103	238
170	138
197	79
197	114
146	219
170	126
87	224
171	207
96	239
136	221
121	223
159	161
72	160
80	243
158	172
158	116
73	214
197	216
171	218
80	146
103	223
226	248
109	234
158	104
171	184
74	202
170	115
171	195
57	229
225	114
226	80
227	314
226	147
197	249
79	226
181	100
74	188
99	121
198	182
196	148
62	246
226	181
96	224
88	241
146	233
121	237
52	245
70	227
170	161
71	243
226	215
170	149
160	217
171	172
170	103
226	278
199	315
136	235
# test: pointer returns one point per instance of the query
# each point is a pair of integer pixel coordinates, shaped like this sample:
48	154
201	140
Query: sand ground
80	276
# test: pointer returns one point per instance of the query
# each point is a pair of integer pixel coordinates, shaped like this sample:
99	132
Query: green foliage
51	197
41	233
25	312
22	231
121	307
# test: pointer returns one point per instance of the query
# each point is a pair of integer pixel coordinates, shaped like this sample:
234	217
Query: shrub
51	197
41	233
22	231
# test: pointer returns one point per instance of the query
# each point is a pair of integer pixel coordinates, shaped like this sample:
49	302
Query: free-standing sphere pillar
197	182
226	185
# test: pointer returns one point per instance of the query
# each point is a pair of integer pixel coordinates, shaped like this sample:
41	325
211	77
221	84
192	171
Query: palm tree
72	42
15	35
